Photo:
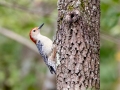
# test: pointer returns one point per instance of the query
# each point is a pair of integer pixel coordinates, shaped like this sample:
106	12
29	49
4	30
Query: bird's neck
35	38
39	36
42	38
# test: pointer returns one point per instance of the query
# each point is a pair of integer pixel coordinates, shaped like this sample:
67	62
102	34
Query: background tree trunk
78	44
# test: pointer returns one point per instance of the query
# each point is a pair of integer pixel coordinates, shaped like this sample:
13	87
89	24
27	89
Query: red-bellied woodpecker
45	47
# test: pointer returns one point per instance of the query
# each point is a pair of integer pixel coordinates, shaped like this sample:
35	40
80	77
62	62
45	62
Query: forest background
21	67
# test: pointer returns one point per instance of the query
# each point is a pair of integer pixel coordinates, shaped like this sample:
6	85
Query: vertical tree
78	44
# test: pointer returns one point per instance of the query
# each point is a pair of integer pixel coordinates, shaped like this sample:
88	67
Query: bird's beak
40	26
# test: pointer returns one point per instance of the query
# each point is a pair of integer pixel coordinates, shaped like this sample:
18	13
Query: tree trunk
78	45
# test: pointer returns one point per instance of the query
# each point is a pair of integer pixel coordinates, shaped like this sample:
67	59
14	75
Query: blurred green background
21	67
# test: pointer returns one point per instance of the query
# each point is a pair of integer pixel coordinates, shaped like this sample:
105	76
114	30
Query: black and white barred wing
41	51
48	62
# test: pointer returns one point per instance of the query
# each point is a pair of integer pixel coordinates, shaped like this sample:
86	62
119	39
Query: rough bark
78	45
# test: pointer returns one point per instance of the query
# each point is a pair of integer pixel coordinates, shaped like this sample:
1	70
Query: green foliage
19	19
110	16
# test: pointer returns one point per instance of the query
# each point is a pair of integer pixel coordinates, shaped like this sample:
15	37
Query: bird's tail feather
52	70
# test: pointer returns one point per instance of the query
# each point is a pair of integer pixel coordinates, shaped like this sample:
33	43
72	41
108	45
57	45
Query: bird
45	47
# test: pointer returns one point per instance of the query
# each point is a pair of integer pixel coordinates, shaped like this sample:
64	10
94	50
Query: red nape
31	37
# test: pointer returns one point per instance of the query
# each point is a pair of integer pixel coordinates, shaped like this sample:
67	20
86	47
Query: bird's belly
47	49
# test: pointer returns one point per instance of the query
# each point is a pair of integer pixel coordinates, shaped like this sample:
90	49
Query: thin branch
18	38
110	38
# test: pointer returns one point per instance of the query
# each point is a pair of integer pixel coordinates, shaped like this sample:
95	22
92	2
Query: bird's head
34	33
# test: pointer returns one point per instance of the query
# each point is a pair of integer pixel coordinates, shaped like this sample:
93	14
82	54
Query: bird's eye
34	30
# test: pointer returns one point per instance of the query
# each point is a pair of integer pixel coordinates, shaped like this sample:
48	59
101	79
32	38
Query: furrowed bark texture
78	45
